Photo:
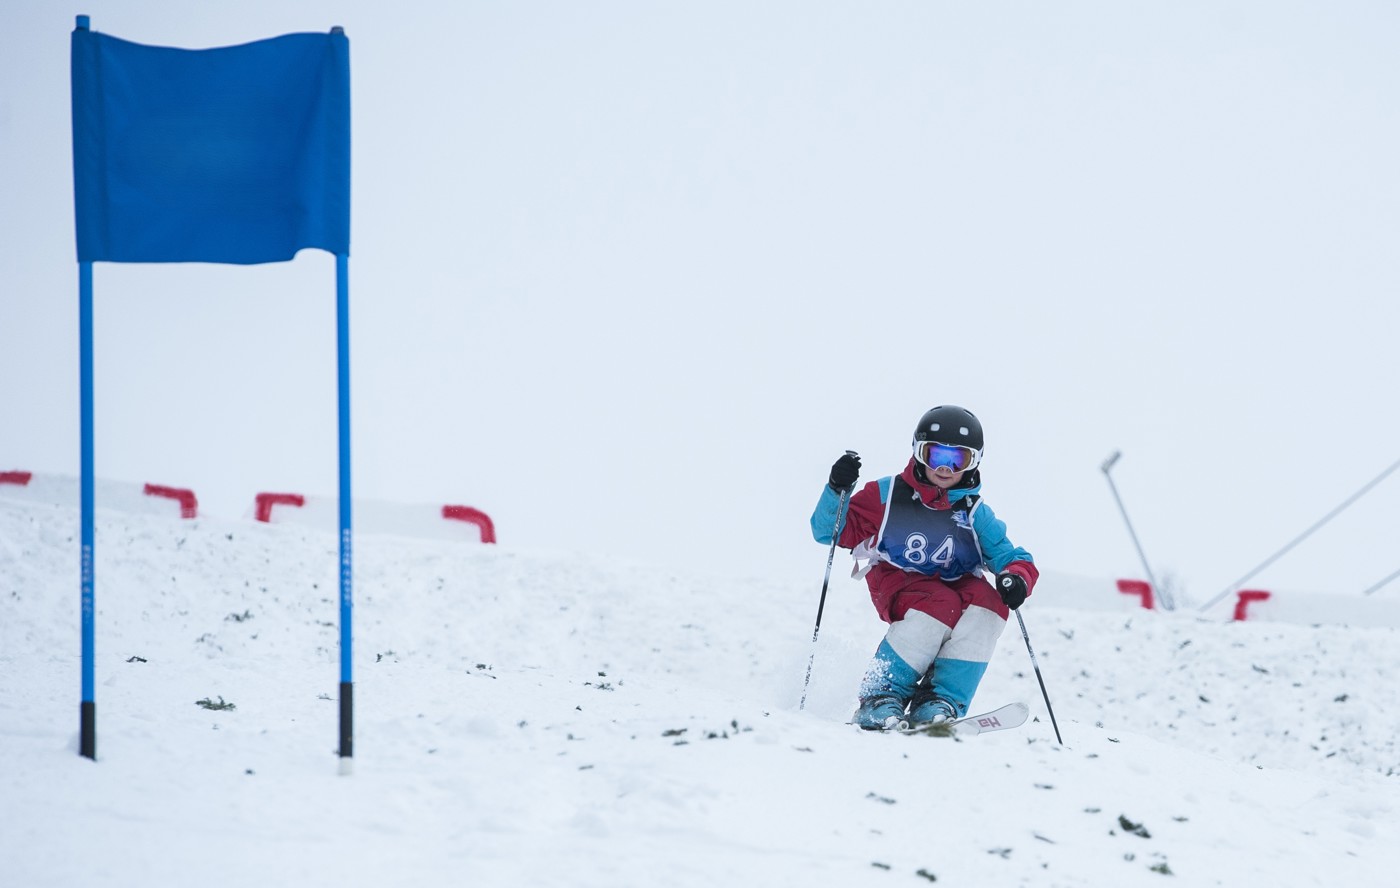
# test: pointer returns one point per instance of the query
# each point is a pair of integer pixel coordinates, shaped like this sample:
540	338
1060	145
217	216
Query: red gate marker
20	478
189	506
265	502
1247	596
1139	588
472	516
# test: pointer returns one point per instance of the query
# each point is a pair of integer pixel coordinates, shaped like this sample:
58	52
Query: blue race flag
239	154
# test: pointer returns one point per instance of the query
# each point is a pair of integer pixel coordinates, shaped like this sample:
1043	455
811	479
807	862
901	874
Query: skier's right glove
1012	588
844	472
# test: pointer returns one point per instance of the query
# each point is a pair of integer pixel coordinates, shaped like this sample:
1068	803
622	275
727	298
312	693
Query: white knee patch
975	637
917	638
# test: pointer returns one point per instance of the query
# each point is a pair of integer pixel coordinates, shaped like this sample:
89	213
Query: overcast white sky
629	276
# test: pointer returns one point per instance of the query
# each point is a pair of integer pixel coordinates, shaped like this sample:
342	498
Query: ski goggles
949	456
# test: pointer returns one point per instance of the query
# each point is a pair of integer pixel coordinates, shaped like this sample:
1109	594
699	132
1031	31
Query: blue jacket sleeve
824	516
997	550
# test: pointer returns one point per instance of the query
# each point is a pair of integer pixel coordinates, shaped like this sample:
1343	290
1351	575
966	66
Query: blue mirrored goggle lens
946	455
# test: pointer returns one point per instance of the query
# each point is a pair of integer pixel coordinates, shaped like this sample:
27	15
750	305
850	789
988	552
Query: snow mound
551	718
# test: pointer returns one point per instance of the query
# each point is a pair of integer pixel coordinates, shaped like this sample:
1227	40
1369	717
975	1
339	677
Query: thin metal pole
1307	533
1163	594
87	708
347	733
1039	678
830	557
1382	583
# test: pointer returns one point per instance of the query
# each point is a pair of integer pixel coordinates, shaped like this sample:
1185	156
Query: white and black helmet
950	426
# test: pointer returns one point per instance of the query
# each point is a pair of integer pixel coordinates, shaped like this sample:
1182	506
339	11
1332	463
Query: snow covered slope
544	718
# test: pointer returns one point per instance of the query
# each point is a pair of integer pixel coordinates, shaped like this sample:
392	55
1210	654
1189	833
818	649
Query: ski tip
1012	715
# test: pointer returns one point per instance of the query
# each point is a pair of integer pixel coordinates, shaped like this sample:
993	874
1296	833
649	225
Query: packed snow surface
550	718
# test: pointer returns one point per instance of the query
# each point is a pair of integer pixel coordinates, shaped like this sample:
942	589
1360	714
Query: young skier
922	539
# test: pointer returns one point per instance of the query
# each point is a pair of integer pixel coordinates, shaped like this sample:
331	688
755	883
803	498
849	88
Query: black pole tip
347	719
87	730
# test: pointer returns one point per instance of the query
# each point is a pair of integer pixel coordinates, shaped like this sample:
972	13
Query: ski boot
927	708
880	713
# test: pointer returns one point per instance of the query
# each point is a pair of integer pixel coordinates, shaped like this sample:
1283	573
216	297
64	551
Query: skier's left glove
1012	588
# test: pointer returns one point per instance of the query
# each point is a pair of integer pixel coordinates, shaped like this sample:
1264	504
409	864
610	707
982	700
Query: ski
1012	715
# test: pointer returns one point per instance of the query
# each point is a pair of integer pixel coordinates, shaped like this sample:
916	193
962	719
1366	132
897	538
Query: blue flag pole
87	719
342	288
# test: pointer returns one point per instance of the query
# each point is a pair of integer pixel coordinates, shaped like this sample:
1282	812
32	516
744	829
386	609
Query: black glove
1012	588
845	471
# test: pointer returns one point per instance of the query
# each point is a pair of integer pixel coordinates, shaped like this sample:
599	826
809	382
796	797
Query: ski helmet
950	425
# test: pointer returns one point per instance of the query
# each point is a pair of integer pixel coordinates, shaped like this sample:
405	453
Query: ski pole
821	605
1039	678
